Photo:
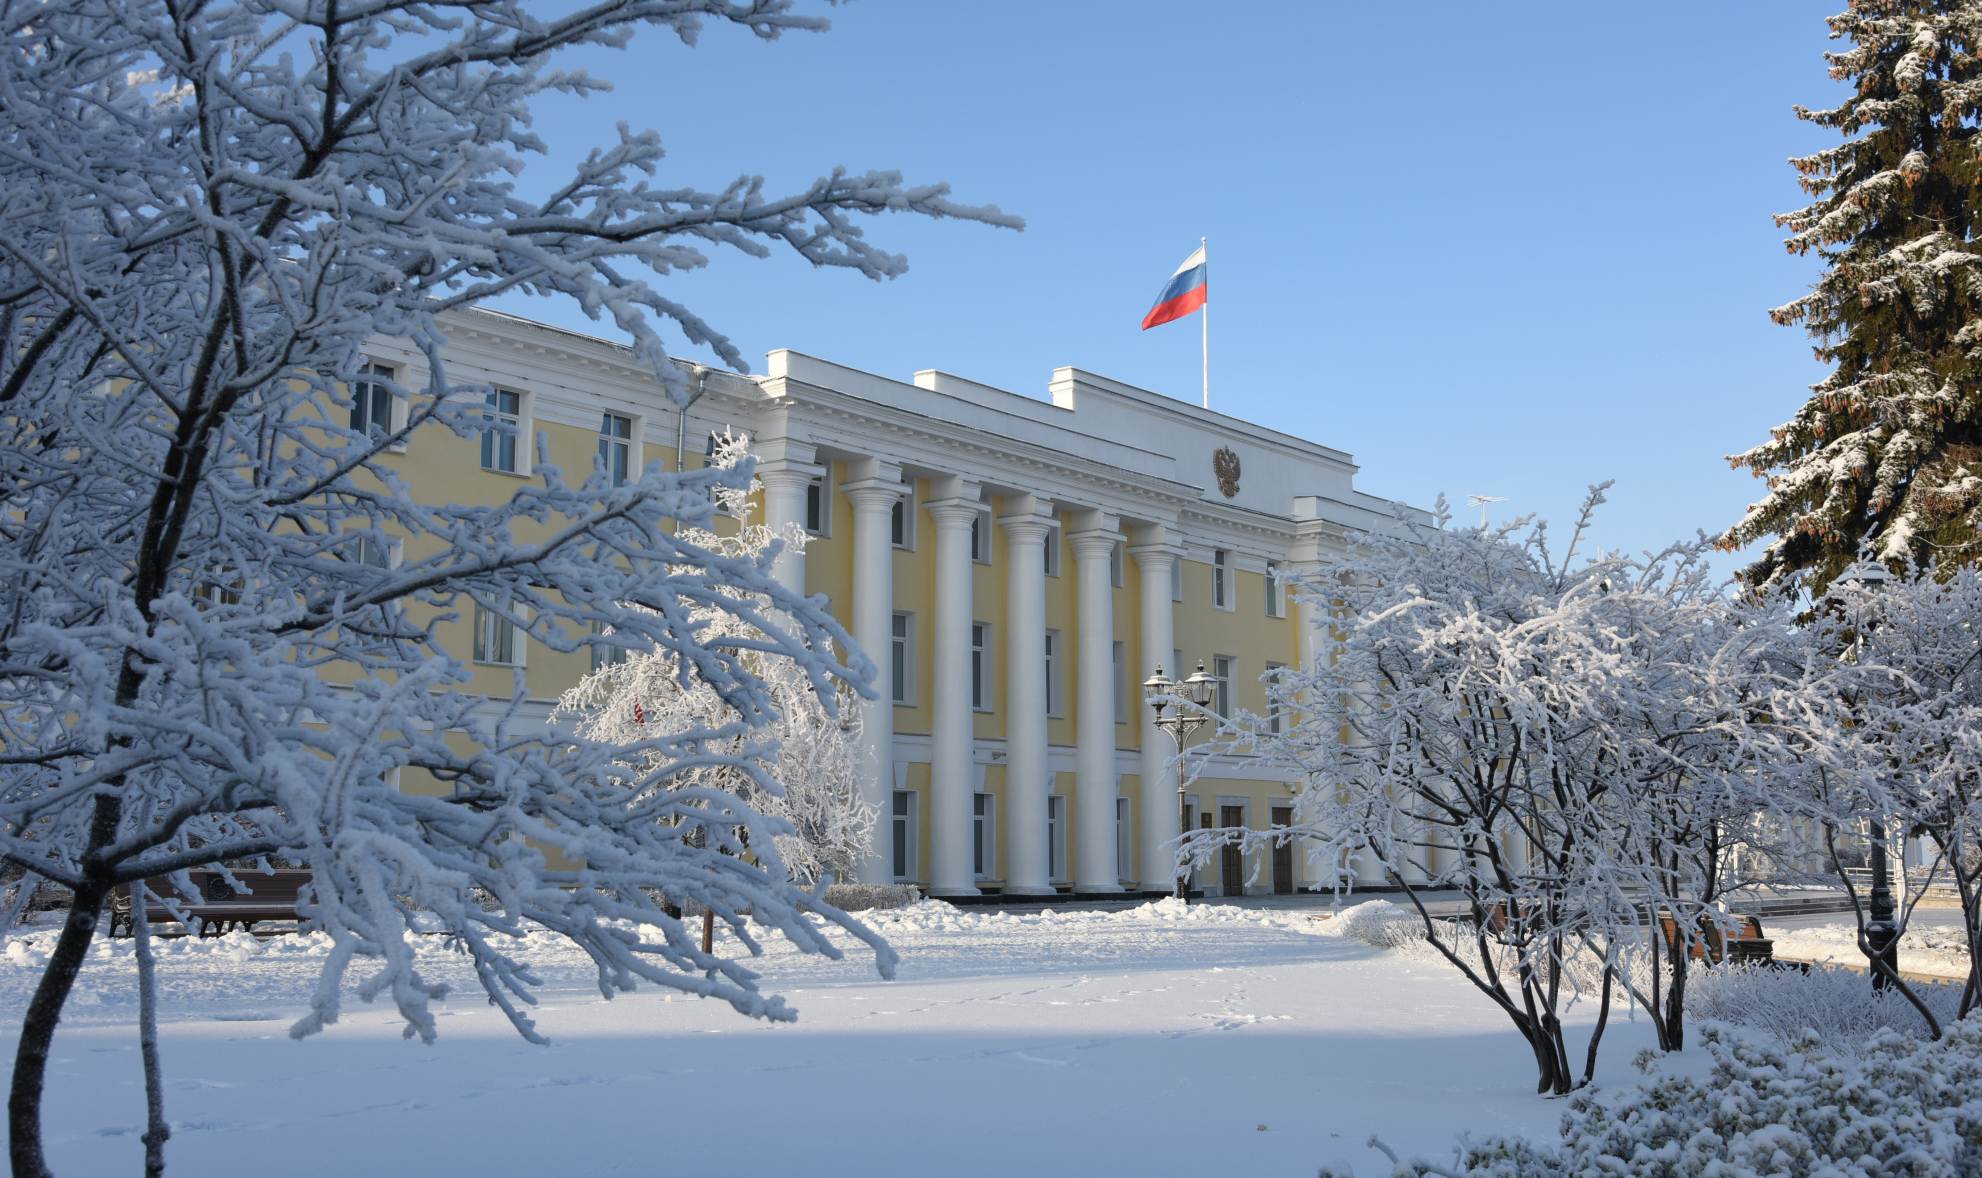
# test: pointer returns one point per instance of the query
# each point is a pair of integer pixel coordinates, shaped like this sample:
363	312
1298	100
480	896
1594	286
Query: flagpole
1204	320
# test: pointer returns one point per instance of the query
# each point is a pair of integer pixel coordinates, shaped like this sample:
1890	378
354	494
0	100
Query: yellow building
1016	567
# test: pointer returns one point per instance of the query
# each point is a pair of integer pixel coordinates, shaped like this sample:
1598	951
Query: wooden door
1232	865
1283	854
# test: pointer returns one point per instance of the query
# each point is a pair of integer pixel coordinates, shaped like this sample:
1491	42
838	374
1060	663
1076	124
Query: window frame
984	835
626	446
819	505
1276	720
1117	559
901	517
1224	668
1055	658
371	399
492	440
982	644
901	650
519	639
980	538
1050	554
1221	578
1276	599
903	817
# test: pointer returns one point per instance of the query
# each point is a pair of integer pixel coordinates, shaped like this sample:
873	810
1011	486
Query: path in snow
1216	1041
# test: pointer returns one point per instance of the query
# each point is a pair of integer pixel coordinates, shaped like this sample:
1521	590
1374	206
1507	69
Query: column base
1030	890
1113	889
943	893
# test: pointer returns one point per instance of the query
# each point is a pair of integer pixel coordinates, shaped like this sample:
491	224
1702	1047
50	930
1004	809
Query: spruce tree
1887	452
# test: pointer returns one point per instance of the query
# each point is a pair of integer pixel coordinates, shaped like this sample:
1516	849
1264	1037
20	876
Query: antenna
1483	502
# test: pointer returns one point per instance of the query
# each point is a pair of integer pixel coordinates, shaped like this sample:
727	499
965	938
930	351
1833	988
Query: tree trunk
157	1132
45	1008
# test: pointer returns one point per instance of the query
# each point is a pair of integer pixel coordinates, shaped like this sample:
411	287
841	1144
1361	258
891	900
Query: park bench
219	907
1744	945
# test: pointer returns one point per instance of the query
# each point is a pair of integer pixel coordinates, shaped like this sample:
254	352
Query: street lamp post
1195	691
1882	930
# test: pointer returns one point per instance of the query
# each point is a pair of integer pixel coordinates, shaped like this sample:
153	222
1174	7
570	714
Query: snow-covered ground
1150	1041
1933	944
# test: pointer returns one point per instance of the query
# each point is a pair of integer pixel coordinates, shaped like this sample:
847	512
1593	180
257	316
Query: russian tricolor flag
1185	292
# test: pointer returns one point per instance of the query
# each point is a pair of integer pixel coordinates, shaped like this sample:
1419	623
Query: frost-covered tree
206	212
1566	745
1905	751
1888	449
801	769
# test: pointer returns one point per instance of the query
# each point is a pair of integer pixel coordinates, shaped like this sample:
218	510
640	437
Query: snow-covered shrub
1379	923
1900	1107
860	897
1839	1005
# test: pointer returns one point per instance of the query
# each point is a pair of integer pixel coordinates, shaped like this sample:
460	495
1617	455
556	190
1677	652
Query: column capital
773	450
1026	518
1094	542
874	492
784	473
954	501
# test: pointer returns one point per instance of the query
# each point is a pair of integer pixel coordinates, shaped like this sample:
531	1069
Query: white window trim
395	413
909	503
1051	555
1225	686
989	824
984	531
1056	659
907	694
1056	848
394	550
1117	564
824	481
519	638
636	426
525	432
988	671
911	840
1223	580
1276	716
1276	592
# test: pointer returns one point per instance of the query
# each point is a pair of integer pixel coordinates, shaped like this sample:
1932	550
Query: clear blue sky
1512	250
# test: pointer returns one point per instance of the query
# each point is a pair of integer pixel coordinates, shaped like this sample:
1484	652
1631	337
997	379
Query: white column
1028	780
953	506
785	482
1155	558
1094	728
873	493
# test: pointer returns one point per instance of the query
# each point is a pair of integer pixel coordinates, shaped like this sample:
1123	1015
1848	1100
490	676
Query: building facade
1014	566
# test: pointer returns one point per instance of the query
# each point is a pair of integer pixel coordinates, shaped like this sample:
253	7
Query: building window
980	667
902	520
371	402
1177	579
901	658
496	640
1052	672
1121	655
819	506
903	833
1056	841
1274	723
604	654
1221	670
1115	565
616	447
983	828
505	417
980	539
1221	578
1124	851
220	587
1052	551
372	552
1275	606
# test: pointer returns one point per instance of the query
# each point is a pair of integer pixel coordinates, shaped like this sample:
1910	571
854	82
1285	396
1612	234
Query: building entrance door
1283	854
1232	864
